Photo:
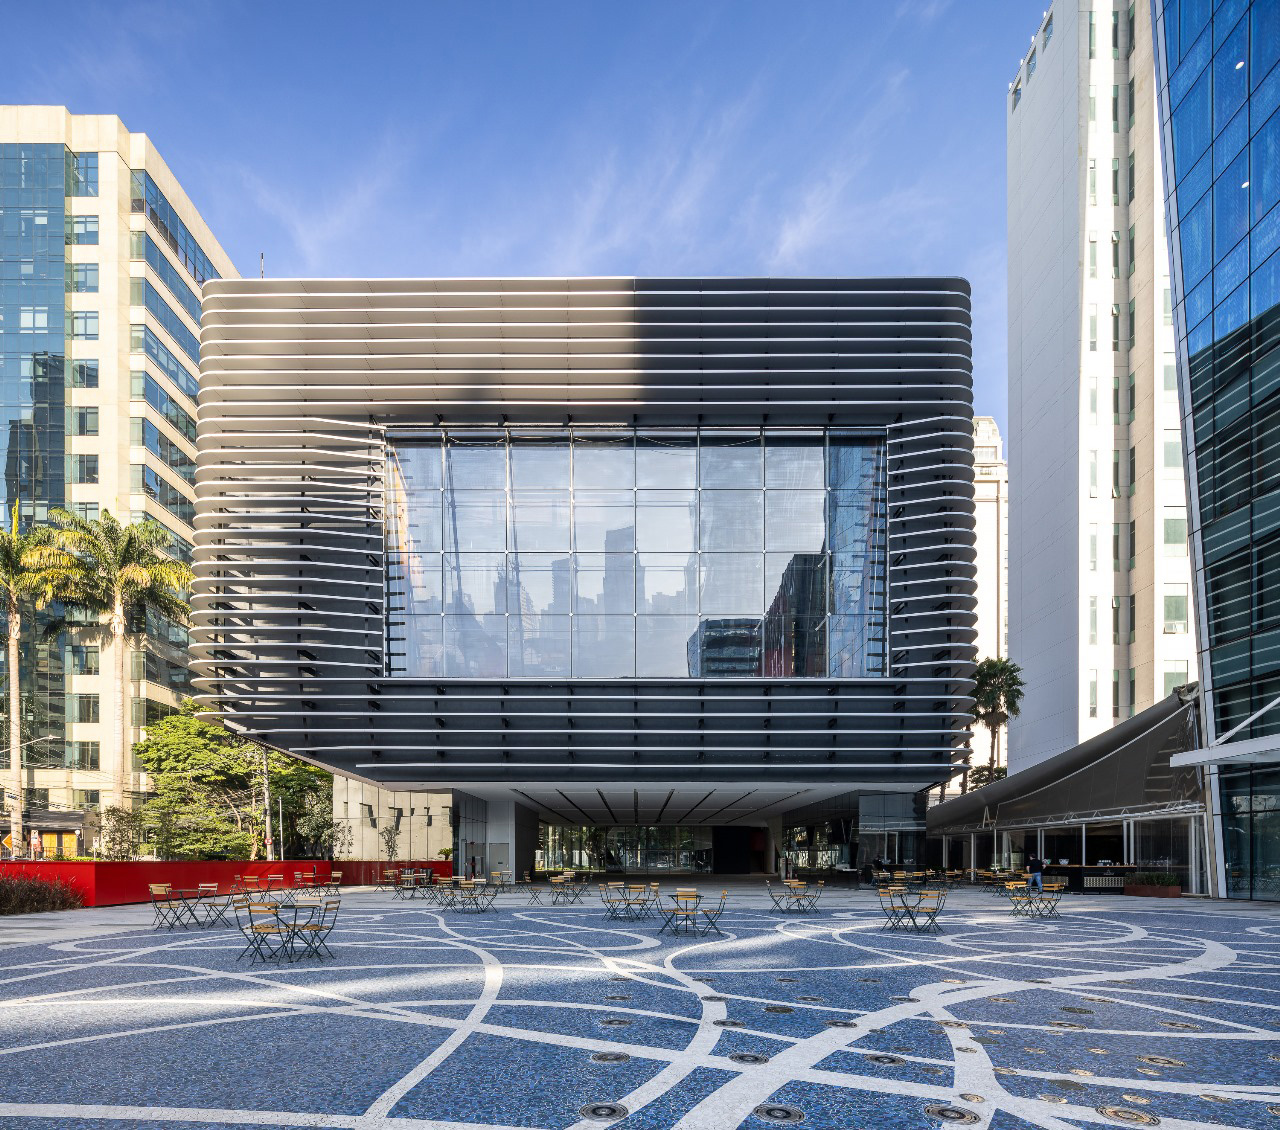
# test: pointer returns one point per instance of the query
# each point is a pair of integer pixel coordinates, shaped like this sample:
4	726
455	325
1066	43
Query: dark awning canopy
1122	772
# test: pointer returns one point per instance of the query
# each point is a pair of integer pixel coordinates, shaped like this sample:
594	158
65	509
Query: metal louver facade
305	386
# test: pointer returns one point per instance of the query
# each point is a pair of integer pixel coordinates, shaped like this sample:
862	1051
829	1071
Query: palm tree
21	580
116	573
997	693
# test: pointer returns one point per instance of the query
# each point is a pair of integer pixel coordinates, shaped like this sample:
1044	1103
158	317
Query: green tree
120	828
26	582
997	697
116	573
390	837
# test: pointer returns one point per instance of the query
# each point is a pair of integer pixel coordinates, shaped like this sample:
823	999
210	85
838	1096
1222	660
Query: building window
1133	399
1129	44
1093	694
1093	180
1133	691
1116	407
84	278
1132	108
1093	35
82	755
1047	34
1168	312
1115	34
1175	675
1093	256
1173	451
1115	111
82	468
82	708
84	374
86	510
1115	693
83	174
82	421
1115	474
1115	620
1115	328
1132	190
1175	532
1093	104
1017	94
1117	536
1115	254
1133	544
1133	322
1133	621
84	325
1093	398
86	798
1133	469
1093	328
1170	372
1133	249
1175	609
1115	190
1093	619
33	319
83	230
1031	65
83	659
1093	547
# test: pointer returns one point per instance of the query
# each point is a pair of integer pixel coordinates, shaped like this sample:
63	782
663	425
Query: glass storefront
633	849
614	553
1251	832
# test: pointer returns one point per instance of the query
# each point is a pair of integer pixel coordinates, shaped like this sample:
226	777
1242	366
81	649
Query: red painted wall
114	884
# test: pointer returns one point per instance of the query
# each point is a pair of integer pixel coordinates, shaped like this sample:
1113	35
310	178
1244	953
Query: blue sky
549	137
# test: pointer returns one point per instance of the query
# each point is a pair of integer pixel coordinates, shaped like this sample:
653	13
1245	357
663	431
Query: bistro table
682	917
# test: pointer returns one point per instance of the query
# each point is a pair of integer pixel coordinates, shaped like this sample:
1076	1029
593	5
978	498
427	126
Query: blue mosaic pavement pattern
426	1018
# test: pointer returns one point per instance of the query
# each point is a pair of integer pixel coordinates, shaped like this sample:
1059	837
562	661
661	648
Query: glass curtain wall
37	186
624	848
1251	832
614	554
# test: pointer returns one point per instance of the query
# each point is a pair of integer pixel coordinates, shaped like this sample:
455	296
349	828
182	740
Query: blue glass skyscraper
1218	72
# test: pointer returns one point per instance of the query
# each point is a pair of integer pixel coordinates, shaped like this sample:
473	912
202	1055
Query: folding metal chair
712	915
167	910
266	935
779	897
315	930
894	911
924	914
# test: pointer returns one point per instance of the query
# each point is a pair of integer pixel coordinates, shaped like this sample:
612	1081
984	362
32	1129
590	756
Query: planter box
1151	891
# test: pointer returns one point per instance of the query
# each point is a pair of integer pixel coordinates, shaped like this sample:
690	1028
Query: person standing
1035	873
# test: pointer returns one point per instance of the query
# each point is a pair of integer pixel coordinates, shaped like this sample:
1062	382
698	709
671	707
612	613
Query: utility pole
266	808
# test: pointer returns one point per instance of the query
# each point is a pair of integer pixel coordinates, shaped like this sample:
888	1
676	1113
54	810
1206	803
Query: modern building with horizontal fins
645	573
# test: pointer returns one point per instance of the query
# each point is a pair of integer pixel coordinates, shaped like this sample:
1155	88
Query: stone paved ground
1123	1012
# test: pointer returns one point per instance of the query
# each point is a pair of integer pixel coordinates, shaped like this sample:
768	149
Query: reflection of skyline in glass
524	559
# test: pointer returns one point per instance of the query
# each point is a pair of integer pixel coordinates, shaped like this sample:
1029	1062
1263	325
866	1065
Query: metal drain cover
713	997
1001	1000
1128	1115
1180	1026
772	1112
778	1008
603	1112
841	1023
1066	1024
816	1000
973	1098
1161	1061
616	1022
617	997
727	1023
610	1057
955	1114
1052	1099
1066	1084
869	980
789	980
953	1024
1077	1011
749	1058
881	1057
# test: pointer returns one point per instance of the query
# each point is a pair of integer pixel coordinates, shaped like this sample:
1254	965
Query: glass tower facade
611	553
35	231
1218	69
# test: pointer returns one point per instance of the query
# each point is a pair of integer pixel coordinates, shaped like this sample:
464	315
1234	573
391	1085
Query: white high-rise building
991	549
1099	609
102	261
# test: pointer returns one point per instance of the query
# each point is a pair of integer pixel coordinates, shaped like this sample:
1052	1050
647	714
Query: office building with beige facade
102	261
1099	612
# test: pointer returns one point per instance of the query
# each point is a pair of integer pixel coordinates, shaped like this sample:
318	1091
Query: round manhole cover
772	1112
1161	1061
603	1112
1139	1099
778	1008
727	1023
1077	1011
1179	1026
841	1023
1128	1115
955	1114
1005	1071
953	1024
810	1000
891	1060
617	997
610	1057
749	1058
713	998
912	1000
616	1022
1052	1099
1214	1098
1067	1024
973	1098
789	980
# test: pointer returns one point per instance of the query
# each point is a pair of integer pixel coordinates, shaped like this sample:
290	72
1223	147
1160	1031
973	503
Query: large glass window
612	553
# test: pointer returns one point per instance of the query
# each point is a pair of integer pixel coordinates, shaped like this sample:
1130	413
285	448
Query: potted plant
1153	884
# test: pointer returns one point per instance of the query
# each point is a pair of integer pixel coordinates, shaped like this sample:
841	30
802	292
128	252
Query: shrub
1153	879
28	894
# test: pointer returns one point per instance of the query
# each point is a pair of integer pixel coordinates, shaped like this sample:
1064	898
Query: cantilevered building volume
645	572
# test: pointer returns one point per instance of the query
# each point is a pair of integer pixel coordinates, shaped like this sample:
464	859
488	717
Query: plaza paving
1123	1012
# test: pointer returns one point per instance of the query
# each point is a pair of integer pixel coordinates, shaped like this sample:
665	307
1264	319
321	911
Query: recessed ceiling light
1240	64
1245	185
